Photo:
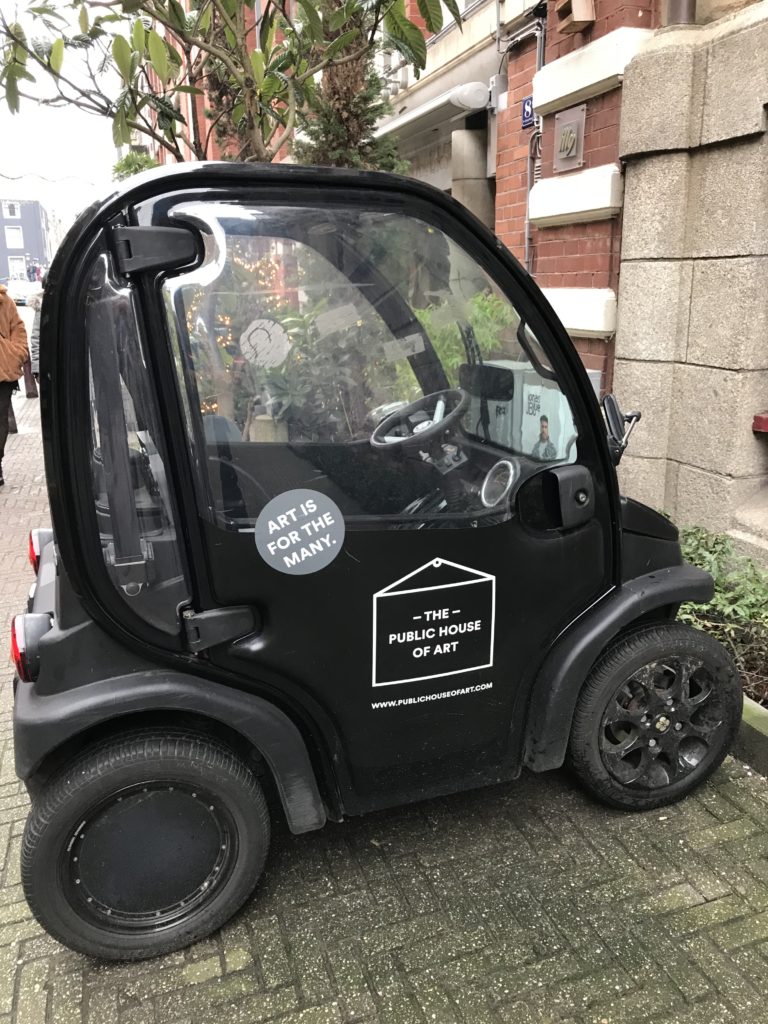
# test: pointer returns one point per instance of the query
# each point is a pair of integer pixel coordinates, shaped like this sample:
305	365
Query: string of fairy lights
264	289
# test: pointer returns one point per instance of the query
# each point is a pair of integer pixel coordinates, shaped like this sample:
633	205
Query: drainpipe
534	157
681	12
505	44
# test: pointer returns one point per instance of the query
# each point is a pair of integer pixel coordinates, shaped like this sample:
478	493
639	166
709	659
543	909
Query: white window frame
14	236
17	261
8	206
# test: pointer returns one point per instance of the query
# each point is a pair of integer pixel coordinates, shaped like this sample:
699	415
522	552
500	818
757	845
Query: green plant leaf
158	55
121	51
337	19
178	17
406	37
453	10
138	36
205	19
267	32
56	57
12	93
191	89
271	86
257	63
165	109
432	13
83	19
121	133
341	42
312	19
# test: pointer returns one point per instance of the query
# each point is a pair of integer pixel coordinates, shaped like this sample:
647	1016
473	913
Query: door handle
573	489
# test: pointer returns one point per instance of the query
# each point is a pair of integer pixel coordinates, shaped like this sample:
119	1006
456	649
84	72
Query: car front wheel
144	844
656	717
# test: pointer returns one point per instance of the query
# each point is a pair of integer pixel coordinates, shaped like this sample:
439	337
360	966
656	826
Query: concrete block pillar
470	183
691	345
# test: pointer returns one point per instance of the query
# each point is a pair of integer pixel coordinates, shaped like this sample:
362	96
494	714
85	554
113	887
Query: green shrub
737	615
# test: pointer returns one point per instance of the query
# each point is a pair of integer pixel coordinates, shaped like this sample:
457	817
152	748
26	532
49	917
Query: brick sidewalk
522	903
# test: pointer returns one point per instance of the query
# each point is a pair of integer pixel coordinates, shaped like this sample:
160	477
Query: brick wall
512	151
412	11
597	354
577	255
583	255
609	15
601	132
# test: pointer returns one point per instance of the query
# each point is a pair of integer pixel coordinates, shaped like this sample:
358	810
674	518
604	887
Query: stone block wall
692	332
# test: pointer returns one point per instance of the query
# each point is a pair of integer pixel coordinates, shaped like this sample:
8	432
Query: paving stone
351	982
737	989
328	1014
697	918
237	959
202	970
725	833
741	933
32	1002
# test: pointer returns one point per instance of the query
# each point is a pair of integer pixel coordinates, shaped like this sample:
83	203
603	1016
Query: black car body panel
296	683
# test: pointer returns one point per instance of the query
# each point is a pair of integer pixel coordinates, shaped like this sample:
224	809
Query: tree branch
161	140
214	122
203	44
273	148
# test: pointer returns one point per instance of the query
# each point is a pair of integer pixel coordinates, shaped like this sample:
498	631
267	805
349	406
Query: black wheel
657	715
145	844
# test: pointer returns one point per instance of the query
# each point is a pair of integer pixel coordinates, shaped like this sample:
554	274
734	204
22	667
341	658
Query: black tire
144	844
657	715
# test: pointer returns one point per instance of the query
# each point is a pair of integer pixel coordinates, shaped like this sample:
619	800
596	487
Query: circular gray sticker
300	532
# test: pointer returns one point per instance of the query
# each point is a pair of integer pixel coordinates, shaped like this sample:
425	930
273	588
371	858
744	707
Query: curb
751	744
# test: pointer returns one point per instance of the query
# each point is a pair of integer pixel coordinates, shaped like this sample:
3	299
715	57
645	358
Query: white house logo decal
436	621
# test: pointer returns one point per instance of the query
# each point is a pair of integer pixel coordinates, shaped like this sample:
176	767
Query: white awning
455	103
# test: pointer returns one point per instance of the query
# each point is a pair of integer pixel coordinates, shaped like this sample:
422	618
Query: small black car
336	518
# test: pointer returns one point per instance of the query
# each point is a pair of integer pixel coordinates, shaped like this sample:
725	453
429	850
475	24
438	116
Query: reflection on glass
305	328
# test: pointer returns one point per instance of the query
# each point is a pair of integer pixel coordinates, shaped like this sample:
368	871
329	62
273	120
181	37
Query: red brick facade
582	255
513	151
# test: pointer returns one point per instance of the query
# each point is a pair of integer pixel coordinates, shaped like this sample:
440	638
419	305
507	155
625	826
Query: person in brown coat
13	354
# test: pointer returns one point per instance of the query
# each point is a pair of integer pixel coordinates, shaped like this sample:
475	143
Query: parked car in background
21	291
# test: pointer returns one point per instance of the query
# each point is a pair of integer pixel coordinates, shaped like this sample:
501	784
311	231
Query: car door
406	589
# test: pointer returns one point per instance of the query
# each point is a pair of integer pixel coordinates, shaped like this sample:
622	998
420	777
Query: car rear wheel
656	717
145	844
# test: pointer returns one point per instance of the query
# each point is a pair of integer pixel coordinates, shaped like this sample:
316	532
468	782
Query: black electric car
336	517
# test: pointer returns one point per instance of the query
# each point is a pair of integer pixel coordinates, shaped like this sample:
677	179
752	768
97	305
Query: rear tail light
19	649
35	549
26	634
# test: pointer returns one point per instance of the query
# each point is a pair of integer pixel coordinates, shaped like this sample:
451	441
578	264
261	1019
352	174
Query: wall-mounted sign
569	139
528	115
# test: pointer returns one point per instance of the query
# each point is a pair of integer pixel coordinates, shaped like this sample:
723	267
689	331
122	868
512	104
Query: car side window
306	329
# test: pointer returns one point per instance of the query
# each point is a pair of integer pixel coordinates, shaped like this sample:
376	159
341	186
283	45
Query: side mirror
620	426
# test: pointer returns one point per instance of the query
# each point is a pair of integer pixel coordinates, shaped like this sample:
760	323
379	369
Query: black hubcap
149	857
661	723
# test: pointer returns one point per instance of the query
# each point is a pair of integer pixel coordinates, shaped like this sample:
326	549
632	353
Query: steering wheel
421	421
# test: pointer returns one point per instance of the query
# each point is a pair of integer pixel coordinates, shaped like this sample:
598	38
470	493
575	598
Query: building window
11	210
17	268
14	239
